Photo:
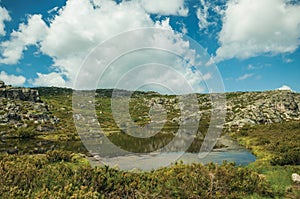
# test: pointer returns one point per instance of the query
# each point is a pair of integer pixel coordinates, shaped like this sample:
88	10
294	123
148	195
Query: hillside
37	127
47	113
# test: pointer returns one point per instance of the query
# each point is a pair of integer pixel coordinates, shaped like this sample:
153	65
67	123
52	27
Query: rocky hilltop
23	106
250	108
24	94
243	108
26	114
23	113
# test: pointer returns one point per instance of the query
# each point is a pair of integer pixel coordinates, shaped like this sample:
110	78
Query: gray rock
2	84
24	94
296	178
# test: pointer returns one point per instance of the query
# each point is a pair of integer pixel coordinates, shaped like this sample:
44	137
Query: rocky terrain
21	105
250	108
243	108
27	114
23	94
23	114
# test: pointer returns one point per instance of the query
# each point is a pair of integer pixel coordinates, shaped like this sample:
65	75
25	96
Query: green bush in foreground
58	156
37	177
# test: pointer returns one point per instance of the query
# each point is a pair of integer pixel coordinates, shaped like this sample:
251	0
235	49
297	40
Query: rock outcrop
22	108
24	94
247	108
251	108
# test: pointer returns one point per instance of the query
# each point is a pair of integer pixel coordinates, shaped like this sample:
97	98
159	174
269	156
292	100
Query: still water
146	162
141	161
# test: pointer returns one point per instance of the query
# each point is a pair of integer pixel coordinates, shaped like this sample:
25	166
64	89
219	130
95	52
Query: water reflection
37	146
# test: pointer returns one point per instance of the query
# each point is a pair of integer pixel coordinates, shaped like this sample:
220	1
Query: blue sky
254	43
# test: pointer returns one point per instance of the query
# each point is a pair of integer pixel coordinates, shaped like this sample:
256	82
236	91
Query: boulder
296	178
2	84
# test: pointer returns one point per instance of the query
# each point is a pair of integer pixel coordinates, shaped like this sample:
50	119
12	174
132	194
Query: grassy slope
278	150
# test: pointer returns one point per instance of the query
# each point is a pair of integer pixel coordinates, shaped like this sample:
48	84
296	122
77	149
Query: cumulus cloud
252	28
53	79
12	79
27	34
146	46
165	7
245	76
81	25
4	16
284	88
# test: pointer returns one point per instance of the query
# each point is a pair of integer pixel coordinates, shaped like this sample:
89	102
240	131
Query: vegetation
56	176
60	170
26	132
278	150
276	143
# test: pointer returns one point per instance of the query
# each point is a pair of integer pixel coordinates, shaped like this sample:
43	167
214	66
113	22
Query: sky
254	44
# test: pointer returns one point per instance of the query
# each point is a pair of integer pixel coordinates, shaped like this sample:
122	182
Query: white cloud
255	67
27	34
165	7
207	76
81	25
55	9
209	13
202	15
12	79
251	28
4	16
288	60
51	79
182	27
284	88
245	76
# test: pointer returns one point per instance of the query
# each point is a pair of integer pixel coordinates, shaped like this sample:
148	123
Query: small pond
155	160
141	161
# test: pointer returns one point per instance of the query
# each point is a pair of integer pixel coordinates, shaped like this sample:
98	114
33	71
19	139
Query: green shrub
26	133
58	156
263	141
291	157
33	177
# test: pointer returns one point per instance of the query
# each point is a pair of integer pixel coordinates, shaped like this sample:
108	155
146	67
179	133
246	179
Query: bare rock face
24	94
